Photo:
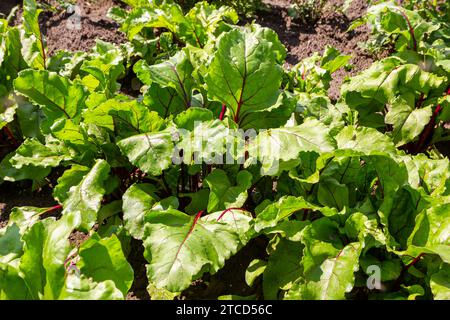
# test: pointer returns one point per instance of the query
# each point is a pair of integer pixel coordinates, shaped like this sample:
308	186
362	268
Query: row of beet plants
222	145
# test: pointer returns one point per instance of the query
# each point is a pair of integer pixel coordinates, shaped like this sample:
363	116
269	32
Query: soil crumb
76	238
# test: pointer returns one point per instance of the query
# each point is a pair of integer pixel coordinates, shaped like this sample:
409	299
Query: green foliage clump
224	144
307	11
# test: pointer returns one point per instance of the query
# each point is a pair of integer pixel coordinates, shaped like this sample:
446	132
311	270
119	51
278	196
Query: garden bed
129	173
300	41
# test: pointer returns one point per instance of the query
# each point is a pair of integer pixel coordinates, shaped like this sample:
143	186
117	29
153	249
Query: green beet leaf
85	198
150	152
331	279
274	146
440	284
58	96
244	74
283	268
103	260
45	251
286	206
223	194
175	73
191	246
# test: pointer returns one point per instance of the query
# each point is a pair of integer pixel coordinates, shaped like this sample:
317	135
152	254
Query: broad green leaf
275	116
167	15
273	146
58	96
164	100
10	173
389	269
440	284
202	21
223	194
124	117
368	141
33	153
11	244
11	59
199	201
407	204
137	200
34	49
85	198
80	287
333	194
390	177
30	119
175	73
150	152
322	241
69	178
431	174
244	74
366	229
283	268
12	286
46	246
408	26
191	246
270	35
383	83
288	229
109	210
414	291
331	279
25	217
432	231
276	212
408	122
441	250
106	68
254	270
207	142
103	260
192	117
333	60
70	133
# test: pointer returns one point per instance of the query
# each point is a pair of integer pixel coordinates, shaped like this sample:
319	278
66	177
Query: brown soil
302	41
138	290
231	278
93	25
57	25
19	195
7	5
76	238
3	222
